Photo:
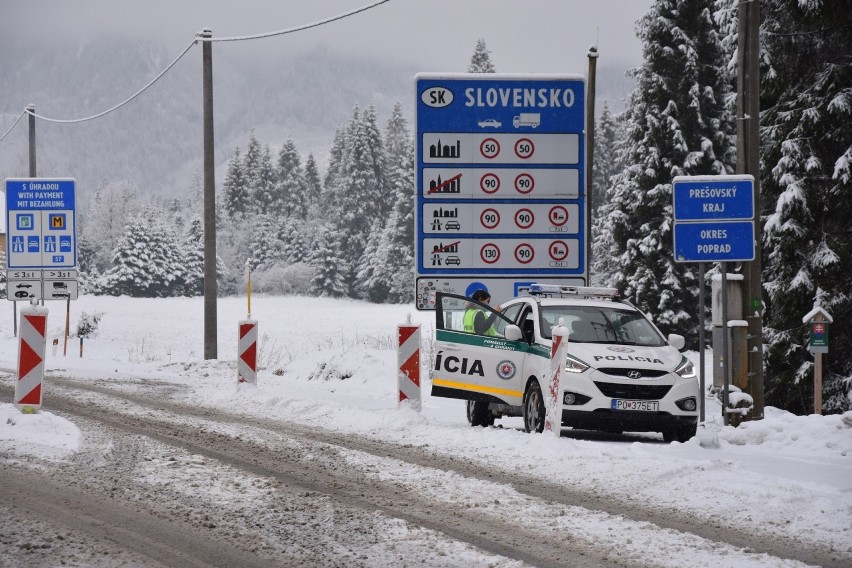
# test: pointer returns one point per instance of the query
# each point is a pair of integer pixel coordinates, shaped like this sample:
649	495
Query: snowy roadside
331	364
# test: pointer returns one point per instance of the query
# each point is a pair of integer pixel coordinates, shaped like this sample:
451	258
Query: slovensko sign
713	218
500	176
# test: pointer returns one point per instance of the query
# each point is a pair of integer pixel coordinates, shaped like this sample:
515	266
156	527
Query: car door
472	366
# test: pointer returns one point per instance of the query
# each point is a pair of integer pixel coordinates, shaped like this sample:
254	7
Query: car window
593	324
452	315
512	312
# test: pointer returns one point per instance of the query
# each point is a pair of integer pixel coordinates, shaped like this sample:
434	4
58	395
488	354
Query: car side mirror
677	341
513	333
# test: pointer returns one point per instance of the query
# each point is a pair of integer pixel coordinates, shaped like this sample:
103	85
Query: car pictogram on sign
490	123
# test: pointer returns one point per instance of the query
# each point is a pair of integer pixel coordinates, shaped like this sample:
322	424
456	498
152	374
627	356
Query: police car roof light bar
581	291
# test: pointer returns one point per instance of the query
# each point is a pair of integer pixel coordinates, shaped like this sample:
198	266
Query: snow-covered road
310	468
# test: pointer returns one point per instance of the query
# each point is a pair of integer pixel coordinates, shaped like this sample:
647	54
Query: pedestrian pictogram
524	253
524	218
489	218
489	148
524	183
489	253
524	148
489	183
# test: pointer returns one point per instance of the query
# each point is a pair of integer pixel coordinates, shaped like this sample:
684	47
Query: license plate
640	405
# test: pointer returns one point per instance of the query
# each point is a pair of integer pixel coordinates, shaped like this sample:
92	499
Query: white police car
621	374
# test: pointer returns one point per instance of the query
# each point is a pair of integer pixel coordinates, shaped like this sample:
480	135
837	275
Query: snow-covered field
332	364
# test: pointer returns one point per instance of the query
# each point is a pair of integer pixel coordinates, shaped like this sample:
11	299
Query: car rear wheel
533	408
478	413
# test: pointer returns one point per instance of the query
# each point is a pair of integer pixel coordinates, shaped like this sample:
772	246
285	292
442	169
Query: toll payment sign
500	174
41	223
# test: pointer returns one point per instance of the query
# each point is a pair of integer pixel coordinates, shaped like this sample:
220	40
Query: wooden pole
210	286
817	383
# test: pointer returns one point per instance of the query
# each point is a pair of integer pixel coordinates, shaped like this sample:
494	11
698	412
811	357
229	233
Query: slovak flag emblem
506	370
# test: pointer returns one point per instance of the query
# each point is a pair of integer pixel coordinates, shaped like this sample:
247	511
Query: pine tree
607	160
313	185
236	186
253	171
147	261
397	268
327	263
290	179
193	259
265	191
806	181
677	124
480	61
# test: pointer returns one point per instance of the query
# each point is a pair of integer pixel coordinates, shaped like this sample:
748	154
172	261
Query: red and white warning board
31	349
408	371
247	352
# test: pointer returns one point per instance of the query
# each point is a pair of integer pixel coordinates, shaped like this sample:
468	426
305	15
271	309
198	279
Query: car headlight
574	365
686	369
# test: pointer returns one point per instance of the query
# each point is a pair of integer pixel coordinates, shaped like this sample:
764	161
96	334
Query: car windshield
593	324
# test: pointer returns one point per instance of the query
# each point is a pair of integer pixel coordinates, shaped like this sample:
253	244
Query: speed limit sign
489	253
524	253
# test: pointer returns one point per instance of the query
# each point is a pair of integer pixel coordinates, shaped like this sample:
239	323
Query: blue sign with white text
717	198
723	241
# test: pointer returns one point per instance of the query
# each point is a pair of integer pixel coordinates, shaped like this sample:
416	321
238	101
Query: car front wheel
533	408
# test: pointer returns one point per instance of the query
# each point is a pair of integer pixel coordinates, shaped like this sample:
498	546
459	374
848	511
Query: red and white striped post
31	347
558	353
247	341
408	368
247	360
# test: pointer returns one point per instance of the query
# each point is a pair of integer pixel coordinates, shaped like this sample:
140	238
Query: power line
20	116
298	28
121	104
195	40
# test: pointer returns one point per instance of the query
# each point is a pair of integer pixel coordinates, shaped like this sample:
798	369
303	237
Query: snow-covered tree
147	261
327	264
677	124
397	244
313	183
480	61
193	259
806	186
265	197
607	160
235	186
290	179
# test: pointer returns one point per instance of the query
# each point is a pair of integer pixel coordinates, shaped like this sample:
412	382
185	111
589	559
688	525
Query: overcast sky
523	35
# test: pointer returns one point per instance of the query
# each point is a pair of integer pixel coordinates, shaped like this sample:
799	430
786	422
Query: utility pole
210	286
748	162
590	155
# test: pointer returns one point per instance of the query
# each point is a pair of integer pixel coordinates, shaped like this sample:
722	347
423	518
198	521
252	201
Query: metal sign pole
701	341
725	366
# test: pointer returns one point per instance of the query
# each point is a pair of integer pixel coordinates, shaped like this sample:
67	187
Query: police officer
475	320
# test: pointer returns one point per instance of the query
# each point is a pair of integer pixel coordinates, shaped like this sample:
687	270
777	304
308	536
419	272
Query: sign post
818	321
500	176
714	222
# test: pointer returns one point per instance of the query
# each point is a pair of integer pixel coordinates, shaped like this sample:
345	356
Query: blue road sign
705	198
501	175
42	211
720	241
